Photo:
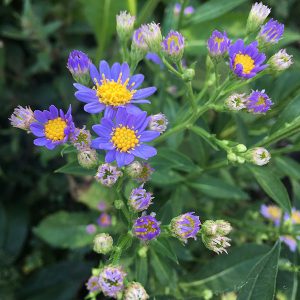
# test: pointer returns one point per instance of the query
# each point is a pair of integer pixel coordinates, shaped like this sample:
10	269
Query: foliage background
35	261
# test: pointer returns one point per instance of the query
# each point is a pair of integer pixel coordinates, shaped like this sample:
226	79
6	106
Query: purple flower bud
125	24
173	45
78	63
102	206
218	43
271	32
152	36
140	199
22	118
258	102
257	16
108	175
146	227
138	40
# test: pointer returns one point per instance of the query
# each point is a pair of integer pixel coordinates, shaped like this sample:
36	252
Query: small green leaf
288	167
261	281
161	269
272	185
74	168
162	247
141	269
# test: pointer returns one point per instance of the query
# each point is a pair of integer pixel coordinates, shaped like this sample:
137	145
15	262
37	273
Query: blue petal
132	109
115	71
95	143
104	69
102	130
95	76
142	101
86	97
125	72
121	116
135	81
94	107
37	129
120	158
149	135
144	151
53	111
110	156
144	93
40	141
40	116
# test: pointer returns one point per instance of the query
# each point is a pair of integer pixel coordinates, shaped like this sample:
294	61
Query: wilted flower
257	16
90	229
173	45
146	227
125	137
125	24
209	227
108	175
92	284
104	220
259	156
111	280
258	102
87	158
187	11
236	102
281	60
135	291
81	139
152	36
113	87
22	118
158	122
245	60
271	32
79	64
216	243
218	43
103	243
294	217
52	127
146	173
140	199
290	242
185	226
223	227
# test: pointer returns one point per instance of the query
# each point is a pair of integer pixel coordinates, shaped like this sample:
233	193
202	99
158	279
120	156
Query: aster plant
144	154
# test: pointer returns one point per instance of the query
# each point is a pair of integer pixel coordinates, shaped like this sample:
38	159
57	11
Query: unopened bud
209	227
87	158
188	74
103	243
240	148
135	291
223	227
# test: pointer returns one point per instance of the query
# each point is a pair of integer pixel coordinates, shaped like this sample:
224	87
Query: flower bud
173	45
135	291
146	173
81	139
240	159
209	227
280	61
125	24
134	169
22	118
90	229
87	158
103	243
257	16
240	148
223	227
232	157
139	199
236	102
104	220
188	74
158	122
258	156
270	33
218	44
152	36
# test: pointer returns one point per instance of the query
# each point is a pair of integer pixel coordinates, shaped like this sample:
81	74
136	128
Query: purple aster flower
185	226
81	139
218	43
53	127
187	11
146	227
290	242
113	87
78	63
158	122
108	174
92	284
173	45
294	217
22	118
245	61
154	58
90	229
140	199
123	137
271	212
258	102
104	220
111	281
271	32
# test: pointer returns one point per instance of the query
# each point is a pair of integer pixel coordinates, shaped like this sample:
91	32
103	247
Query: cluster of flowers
276	216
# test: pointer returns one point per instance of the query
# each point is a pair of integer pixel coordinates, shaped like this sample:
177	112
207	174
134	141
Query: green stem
124	243
170	67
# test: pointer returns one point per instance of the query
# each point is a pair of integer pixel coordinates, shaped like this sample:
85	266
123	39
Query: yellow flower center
218	40
296	217
114	93
246	61
55	129
275	212
261	100
124	139
150	228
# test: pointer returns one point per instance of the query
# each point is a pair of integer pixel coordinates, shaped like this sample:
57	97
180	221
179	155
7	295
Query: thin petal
149	135
40	141
104	69
40	116
94	107
95	76
125	72
110	156
135	81
144	151
115	71
37	129
53	111
144	93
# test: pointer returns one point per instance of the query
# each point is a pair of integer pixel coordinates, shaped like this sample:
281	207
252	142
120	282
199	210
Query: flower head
271	212
185	226
103	243
146	227
259	156
145	173
111	281
107	174
140	199
294	217
81	139
173	45
152	36
125	24
52	127
245	60
158	122
216	243
22	118
92	284
104	220
290	242
223	227
87	158
113	88
78	63
138	40
271	32
135	291
134	169
236	102
90	229
218	43
124	137
258	102
257	16
281	60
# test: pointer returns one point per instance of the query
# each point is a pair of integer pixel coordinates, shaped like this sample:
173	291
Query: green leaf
74	168
225	272
65	229
288	167
213	9
219	189
162	247
272	185
141	269
261	281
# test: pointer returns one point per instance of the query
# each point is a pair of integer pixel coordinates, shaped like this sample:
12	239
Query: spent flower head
108	174
158	122
140	199
257	16
87	158
258	156
216	243
135	291
223	227
125	25
280	61
103	243
236	102
81	139
22	118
